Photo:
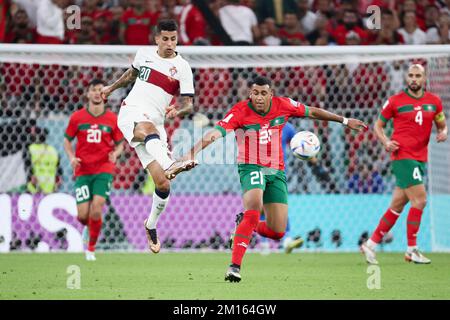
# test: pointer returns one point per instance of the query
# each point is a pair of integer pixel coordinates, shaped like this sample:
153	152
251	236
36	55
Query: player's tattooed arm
206	140
441	126
321	114
127	77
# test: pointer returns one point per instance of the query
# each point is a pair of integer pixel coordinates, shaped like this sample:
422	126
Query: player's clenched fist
391	145
171	112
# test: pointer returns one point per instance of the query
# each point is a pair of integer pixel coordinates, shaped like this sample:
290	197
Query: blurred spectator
192	25
321	36
50	21
114	24
326	8
349	24
270	35
19	31
388	33
365	180
275	9
31	7
239	22
86	35
102	29
439	33
291	33
419	11
137	23
410	32
90	8
306	16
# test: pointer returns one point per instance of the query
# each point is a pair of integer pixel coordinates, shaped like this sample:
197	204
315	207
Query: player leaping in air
158	75
258	123
413	112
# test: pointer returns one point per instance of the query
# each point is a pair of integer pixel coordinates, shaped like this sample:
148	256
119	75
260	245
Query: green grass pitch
176	276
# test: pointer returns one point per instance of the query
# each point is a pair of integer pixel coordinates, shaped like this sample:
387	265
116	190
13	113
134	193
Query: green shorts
408	172
96	184
271	181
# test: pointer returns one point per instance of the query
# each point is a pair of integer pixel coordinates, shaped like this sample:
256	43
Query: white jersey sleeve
137	60
186	80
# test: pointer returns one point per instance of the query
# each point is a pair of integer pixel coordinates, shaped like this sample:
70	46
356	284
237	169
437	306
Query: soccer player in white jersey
159	73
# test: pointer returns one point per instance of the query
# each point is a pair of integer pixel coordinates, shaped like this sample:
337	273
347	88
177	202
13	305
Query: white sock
410	249
158	207
371	244
155	148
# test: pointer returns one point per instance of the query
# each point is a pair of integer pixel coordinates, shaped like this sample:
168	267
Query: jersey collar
250	105
88	111
406	91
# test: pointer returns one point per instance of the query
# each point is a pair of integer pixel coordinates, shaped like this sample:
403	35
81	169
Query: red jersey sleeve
230	122
295	108
387	111
72	128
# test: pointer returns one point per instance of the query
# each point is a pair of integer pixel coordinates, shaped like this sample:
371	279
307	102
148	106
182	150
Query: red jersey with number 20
95	140
413	121
258	135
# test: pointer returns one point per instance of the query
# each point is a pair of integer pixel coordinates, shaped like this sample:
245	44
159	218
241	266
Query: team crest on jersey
173	71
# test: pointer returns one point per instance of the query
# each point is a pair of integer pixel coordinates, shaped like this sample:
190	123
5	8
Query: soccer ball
305	145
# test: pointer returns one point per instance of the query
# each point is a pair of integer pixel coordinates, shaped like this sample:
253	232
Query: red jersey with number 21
259	135
413	120
95	140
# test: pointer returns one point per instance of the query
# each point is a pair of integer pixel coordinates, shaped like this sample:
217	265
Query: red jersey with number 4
96	136
413	120
258	135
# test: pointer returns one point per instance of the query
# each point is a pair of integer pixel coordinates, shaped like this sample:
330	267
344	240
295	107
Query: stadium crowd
222	22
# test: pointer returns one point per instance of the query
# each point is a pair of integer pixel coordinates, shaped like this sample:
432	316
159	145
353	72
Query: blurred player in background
158	75
258	123
99	144
413	112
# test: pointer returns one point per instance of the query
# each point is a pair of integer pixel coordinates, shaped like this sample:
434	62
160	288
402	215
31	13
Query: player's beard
415	89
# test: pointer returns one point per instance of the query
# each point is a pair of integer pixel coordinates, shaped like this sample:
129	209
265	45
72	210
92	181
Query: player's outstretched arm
206	140
127	77
441	126
389	145
320	114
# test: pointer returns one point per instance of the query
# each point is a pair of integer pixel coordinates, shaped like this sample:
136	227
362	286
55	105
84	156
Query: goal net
334	203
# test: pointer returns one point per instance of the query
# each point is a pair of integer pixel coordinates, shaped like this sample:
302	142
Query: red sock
265	231
243	235
412	225
95	227
386	223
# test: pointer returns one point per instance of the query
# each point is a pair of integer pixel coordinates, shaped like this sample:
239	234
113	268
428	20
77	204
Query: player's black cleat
233	274
237	221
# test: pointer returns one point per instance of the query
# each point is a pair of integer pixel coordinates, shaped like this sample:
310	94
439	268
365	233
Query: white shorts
128	117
